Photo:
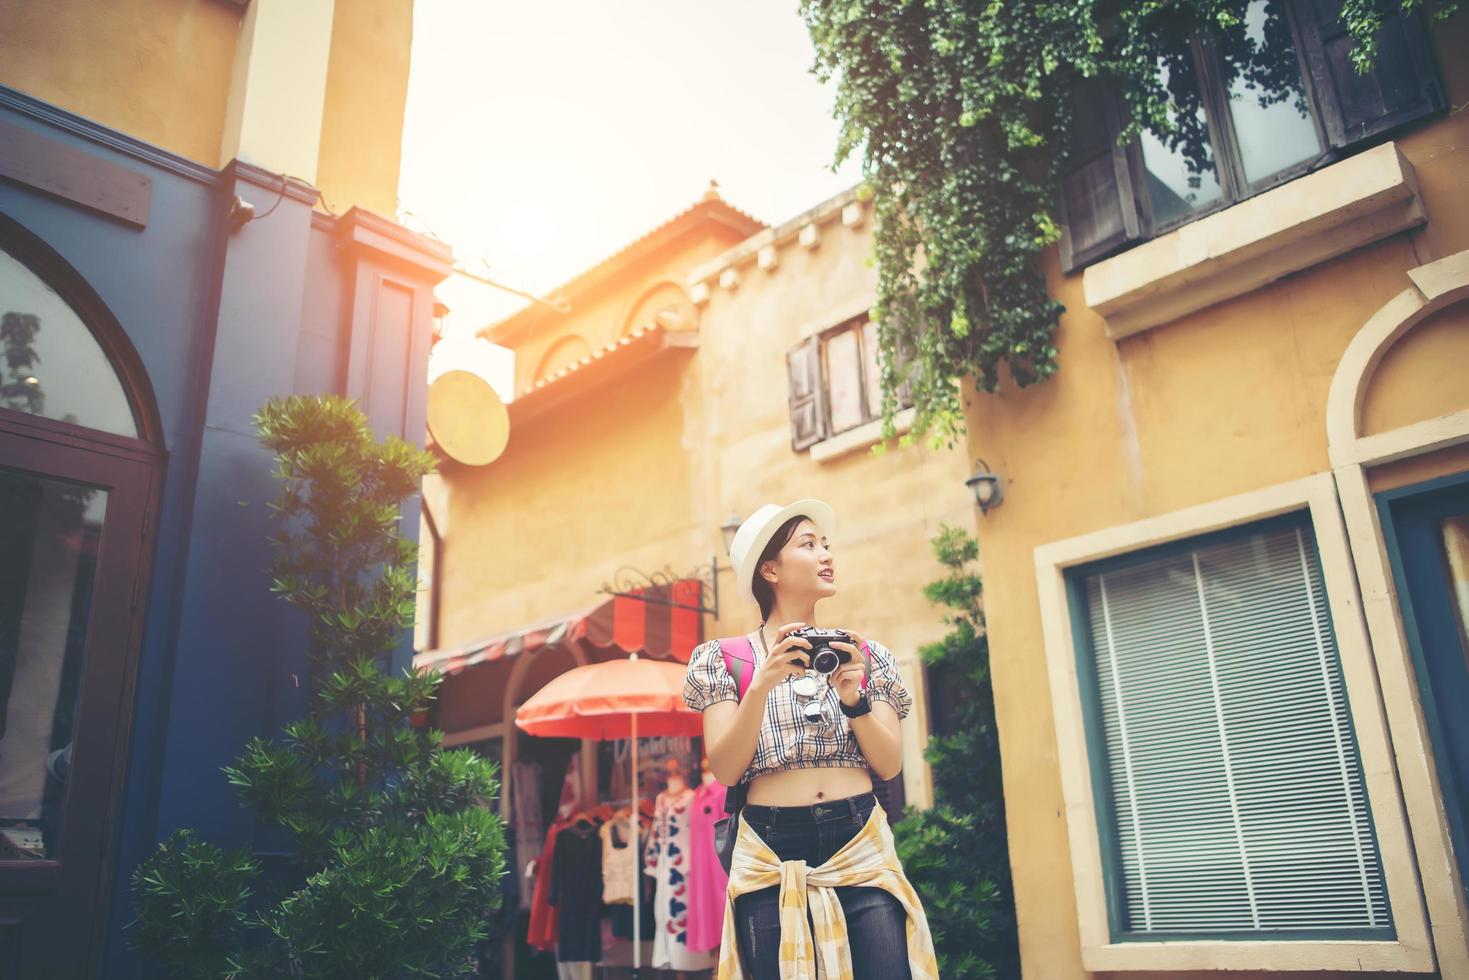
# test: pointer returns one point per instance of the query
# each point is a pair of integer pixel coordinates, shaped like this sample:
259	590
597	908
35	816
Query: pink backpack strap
739	660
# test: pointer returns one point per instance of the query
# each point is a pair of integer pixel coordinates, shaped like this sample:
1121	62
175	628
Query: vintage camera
823	658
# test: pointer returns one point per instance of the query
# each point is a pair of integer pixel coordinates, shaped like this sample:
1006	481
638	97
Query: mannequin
667	861
673	770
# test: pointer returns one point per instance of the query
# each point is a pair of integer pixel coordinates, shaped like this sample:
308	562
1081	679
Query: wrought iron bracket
656	588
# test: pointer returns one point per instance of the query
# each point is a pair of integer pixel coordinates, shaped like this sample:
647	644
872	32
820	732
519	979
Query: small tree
955	853
399	859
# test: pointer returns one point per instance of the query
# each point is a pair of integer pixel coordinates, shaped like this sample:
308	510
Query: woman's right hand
788	658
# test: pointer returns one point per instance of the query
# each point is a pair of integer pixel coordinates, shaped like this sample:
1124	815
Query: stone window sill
867	434
1339	208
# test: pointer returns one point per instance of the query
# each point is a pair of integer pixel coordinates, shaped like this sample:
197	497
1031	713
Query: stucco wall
578	493
161	70
155	69
888	507
1226	400
366	91
643	472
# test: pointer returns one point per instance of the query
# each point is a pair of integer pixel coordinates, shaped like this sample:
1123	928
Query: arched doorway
80	462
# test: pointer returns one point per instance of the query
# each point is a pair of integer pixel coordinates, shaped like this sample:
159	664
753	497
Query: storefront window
50	364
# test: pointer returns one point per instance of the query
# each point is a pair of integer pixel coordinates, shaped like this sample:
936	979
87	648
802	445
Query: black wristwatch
862	707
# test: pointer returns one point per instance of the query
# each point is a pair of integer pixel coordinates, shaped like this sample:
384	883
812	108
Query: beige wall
644	472
155	69
577	493
1224	401
162	71
366	92
888	507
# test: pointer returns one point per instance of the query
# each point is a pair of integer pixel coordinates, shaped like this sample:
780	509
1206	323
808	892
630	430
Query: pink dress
708	884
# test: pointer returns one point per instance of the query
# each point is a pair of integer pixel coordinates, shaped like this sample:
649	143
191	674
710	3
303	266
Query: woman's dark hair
764	594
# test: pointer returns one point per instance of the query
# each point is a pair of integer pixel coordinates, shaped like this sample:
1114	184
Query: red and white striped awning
631	625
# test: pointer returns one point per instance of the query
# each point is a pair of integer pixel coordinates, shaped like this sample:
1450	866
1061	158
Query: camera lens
825	660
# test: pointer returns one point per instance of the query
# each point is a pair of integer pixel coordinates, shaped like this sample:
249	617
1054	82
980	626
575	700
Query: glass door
1428	534
72	527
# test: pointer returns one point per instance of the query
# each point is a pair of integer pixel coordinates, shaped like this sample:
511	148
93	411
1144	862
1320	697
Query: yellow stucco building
1228	585
312	88
710	367
1226	590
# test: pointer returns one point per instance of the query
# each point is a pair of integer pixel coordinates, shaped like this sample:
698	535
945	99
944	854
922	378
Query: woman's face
805	567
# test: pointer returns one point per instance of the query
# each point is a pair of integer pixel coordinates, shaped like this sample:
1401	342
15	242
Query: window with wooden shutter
1098	210
1402	87
1267	102
836	382
1225	767
807	401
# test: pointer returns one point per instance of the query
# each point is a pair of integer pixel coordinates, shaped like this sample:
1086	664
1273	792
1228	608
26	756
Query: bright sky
543	136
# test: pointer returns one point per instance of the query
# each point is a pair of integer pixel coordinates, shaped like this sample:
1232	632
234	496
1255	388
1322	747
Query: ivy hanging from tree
961	109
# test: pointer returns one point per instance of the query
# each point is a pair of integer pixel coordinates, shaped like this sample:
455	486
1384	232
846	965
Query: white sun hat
752	537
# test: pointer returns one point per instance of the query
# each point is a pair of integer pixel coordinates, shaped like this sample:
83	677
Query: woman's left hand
847	679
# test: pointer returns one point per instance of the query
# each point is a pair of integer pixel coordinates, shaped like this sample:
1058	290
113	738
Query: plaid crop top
787	740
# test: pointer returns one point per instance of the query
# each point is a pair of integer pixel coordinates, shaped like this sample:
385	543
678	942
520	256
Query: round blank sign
466	419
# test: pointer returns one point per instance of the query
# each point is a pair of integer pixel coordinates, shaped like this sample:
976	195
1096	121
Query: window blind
1231	768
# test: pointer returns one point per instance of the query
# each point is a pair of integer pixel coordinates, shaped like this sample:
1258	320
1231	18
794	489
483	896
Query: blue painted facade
222	320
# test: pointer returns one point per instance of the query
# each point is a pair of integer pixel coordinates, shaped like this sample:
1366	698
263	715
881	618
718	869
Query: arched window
50	363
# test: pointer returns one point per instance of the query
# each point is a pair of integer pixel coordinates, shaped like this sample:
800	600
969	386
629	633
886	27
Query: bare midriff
805	787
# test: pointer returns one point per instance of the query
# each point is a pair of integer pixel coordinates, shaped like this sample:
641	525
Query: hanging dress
668	864
618	872
708	882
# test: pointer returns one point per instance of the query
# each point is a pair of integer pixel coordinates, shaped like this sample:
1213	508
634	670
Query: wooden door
73	530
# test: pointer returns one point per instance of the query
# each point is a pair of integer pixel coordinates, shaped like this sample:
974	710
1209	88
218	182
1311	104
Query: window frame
78	887
1234	186
853	325
1140	224
1055	563
870	413
1096	739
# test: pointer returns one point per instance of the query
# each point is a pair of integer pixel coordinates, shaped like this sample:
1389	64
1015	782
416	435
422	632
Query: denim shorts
876	921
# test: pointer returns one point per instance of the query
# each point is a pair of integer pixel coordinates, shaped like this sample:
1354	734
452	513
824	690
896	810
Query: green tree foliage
960	109
399	859
955	853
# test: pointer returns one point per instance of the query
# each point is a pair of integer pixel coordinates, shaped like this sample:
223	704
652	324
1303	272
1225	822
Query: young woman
800	746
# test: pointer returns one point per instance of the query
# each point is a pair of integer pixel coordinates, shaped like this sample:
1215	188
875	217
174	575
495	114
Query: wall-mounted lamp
728	528
988	490
241	211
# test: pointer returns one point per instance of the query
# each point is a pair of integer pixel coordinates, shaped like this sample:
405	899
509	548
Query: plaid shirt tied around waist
788	740
818	947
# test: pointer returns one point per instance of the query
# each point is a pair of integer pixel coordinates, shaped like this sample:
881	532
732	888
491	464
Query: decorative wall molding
1435	286
865	435
93	132
390	241
1345	206
804	229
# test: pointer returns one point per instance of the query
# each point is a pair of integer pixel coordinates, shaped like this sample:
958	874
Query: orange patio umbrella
616	699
